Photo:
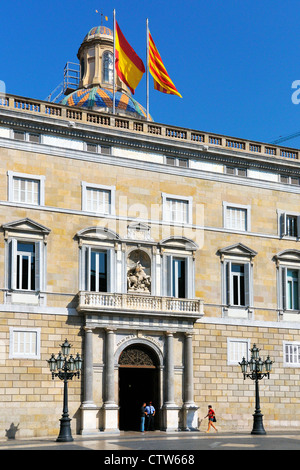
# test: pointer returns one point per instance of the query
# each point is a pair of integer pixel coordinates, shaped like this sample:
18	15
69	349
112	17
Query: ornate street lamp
65	367
258	369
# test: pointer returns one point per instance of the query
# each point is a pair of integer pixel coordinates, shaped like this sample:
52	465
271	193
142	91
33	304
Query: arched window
107	67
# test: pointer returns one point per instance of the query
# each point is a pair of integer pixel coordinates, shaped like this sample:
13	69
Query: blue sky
233	61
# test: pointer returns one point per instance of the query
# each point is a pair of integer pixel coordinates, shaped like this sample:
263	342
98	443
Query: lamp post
258	369
65	367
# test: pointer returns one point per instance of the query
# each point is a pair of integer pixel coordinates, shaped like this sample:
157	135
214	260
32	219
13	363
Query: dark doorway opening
138	383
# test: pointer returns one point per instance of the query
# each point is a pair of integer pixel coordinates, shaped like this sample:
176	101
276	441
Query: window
237	280
24	343
29	137
107	61
98	271
231	170
25	262
290	288
26	189
25	273
181	162
98	268
178	281
177	208
294	180
179	277
236	350
96	198
291	354
289	224
288	283
237	284
236	217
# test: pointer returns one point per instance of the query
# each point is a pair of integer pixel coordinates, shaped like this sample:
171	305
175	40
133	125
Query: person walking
211	418
143	417
150	410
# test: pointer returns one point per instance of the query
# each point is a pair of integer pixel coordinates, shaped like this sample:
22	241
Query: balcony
137	304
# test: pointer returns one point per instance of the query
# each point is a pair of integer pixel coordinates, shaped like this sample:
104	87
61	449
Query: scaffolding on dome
70	82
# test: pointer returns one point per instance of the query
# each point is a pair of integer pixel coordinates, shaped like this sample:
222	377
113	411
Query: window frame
283	224
230	342
27	177
174	197
287	363
246	208
98	187
105	68
23	355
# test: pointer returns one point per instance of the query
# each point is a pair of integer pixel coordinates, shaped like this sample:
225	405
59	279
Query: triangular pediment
26	225
237	249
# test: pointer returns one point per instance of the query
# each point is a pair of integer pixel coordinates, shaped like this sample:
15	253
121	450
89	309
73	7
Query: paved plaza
156	447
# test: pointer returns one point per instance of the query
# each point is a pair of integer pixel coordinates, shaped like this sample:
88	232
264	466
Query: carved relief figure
137	279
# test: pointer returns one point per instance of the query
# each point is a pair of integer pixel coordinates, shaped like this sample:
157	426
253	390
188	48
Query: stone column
170	408
88	408
88	368
110	408
190	416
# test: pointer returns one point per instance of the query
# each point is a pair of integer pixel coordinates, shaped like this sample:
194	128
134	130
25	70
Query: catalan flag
130	68
162	81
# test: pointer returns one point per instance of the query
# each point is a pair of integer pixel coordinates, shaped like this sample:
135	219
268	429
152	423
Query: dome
97	98
98	31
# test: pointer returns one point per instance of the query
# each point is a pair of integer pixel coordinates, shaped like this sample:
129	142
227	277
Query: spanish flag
130	68
162	81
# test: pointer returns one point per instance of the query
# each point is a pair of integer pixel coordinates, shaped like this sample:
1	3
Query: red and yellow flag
130	68
162	81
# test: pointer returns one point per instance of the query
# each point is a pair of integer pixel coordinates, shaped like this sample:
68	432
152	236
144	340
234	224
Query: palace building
161	253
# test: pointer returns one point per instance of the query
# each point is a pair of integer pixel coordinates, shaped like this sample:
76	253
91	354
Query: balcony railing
82	116
99	301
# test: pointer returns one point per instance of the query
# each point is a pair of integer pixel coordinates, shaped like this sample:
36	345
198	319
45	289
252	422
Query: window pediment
287	256
237	250
182	243
25	226
97	234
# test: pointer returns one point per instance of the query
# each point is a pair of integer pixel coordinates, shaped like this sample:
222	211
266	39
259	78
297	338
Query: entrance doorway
138	383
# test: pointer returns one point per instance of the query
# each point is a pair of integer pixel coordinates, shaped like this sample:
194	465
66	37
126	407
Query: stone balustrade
203	139
102	301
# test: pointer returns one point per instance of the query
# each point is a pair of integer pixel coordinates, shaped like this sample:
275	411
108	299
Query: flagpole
114	65
147	77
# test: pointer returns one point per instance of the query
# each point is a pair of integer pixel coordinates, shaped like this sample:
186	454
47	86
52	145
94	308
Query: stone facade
210	222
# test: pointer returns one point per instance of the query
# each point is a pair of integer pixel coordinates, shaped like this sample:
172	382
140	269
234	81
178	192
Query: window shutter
283	286
229	293
13	264
283	225
88	268
169	276
110	271
247	284
38	266
298	227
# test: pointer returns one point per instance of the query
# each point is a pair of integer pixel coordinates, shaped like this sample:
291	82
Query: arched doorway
138	382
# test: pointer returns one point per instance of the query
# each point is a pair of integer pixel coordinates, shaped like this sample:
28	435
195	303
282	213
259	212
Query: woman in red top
210	415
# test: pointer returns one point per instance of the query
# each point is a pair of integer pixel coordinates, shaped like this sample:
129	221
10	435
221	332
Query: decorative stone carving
138	272
137	279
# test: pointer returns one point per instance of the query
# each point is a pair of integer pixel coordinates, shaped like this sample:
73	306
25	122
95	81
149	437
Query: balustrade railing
140	302
45	108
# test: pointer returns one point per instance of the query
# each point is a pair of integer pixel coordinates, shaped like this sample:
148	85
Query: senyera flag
129	66
162	81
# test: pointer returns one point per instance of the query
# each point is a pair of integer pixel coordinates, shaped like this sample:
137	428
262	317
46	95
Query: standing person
150	410
211	418
143	416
